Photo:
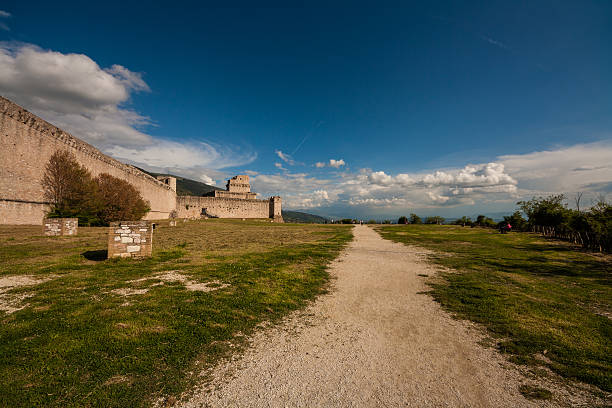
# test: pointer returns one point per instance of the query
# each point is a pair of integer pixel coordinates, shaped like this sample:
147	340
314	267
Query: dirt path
374	341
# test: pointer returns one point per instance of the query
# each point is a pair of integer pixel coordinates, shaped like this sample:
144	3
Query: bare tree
577	200
66	184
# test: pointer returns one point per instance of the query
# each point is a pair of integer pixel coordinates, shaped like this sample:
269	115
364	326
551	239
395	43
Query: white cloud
489	174
207	180
566	169
4	26
380	178
285	157
319	165
336	163
499	183
279	166
74	93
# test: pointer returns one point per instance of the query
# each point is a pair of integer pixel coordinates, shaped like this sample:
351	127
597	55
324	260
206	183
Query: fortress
27	142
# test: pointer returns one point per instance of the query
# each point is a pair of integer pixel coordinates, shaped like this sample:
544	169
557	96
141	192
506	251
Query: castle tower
170	181
276	212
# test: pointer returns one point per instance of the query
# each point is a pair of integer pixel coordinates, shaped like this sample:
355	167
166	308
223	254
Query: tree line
95	201
550	216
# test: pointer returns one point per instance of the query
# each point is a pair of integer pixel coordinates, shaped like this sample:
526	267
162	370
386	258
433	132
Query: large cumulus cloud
73	92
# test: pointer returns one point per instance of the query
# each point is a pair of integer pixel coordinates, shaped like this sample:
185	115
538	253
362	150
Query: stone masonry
130	239
237	187
27	142
60	226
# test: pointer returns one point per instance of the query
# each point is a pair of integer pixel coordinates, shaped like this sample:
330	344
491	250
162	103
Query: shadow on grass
98	255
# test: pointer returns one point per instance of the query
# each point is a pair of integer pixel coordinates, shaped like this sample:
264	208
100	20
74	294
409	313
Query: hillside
302	217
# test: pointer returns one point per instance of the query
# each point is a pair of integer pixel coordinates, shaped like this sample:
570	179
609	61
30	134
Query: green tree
415	219
517	221
434	220
402	220
463	221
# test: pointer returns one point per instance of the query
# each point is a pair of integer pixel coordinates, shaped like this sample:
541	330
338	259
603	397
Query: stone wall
27	142
60	226
192	207
231	194
13	212
130	239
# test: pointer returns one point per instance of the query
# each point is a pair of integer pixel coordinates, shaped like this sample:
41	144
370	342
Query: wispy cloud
495	42
285	157
4	26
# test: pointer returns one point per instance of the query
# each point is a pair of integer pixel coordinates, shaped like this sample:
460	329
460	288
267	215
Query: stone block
60	226
130	239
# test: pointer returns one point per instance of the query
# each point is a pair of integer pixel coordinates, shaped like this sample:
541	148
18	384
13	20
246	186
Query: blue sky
446	108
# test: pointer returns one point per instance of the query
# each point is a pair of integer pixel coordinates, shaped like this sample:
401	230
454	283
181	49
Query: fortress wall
27	142
191	207
22	213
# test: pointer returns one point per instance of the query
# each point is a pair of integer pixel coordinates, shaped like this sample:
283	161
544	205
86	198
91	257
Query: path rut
373	341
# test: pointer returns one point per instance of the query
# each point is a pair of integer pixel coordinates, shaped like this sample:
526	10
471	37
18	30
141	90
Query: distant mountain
302	217
185	186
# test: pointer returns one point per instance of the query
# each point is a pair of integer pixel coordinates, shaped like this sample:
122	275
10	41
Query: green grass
545	302
79	344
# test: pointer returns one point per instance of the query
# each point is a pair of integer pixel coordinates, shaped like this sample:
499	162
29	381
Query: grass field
85	331
546	304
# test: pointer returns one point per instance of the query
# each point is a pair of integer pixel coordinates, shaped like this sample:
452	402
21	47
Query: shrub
402	220
119	200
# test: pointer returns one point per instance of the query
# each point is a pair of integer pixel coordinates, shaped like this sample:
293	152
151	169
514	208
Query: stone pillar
60	226
130	239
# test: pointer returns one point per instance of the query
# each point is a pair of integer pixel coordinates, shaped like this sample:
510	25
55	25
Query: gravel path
374	341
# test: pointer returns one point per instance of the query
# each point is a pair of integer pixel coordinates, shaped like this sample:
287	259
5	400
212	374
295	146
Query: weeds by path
547	303
124	332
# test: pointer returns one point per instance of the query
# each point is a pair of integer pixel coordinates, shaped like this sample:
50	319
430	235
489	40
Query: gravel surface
373	341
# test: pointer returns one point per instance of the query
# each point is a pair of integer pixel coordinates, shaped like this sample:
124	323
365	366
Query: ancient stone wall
60	226
195	207
232	194
21	212
27	144
130	239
